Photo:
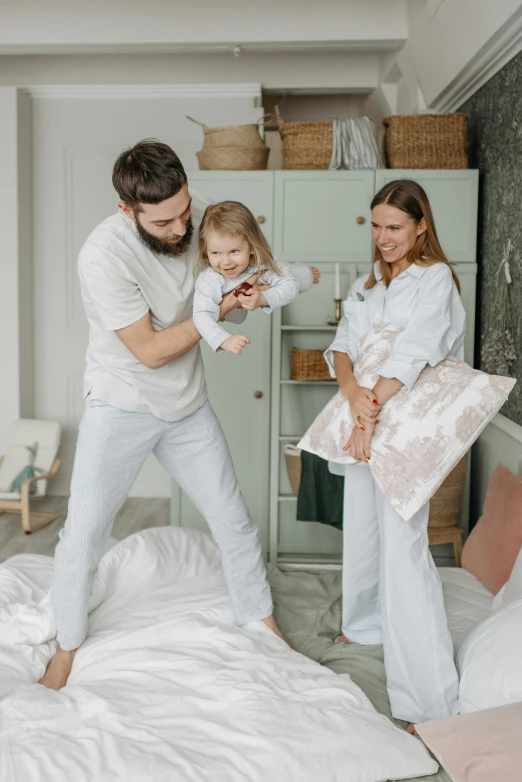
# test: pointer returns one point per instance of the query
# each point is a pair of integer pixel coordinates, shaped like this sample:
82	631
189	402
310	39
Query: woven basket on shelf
233	158
427	141
308	365
306	145
232	147
232	135
446	503
293	466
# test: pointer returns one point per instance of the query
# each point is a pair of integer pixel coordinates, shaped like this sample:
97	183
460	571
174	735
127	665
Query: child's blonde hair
234	219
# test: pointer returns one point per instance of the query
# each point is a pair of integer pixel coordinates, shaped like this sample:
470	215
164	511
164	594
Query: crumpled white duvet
166	688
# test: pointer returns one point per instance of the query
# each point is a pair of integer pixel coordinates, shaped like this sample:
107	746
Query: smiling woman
392	593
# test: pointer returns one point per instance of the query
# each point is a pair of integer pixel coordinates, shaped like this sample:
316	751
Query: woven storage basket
232	135
293	466
446	503
308	365
306	145
427	141
233	158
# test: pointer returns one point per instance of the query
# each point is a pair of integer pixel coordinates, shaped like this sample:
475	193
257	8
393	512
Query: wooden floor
136	514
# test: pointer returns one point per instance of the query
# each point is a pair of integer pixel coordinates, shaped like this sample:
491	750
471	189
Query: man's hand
235	343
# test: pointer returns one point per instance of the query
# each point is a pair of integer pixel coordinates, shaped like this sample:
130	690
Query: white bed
467	602
167	688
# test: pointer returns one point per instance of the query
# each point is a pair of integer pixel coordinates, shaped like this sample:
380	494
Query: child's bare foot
270	622
411	729
316	273
58	670
343	639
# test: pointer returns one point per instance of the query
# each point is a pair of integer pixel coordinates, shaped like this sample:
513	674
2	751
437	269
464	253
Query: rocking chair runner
23	436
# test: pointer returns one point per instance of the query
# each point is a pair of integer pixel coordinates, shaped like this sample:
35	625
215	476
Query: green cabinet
321	218
239	386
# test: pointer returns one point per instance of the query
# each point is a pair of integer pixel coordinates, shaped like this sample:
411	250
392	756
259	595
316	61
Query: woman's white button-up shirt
424	300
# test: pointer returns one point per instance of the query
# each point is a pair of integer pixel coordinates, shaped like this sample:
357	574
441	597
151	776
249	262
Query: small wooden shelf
308	383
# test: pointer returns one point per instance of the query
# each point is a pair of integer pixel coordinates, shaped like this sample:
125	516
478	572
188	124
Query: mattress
467	602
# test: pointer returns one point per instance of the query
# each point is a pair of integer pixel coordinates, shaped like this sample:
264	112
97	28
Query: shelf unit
289	421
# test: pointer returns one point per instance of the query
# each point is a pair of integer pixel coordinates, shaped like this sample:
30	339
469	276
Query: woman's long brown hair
410	197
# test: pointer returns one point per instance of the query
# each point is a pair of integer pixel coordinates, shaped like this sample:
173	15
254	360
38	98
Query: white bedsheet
167	688
467	602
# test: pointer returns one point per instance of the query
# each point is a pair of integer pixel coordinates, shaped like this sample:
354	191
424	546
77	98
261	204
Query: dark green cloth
320	496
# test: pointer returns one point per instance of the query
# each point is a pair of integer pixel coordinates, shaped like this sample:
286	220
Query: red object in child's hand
243	288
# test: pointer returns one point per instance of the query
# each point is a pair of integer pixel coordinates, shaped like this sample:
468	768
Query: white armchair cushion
23	433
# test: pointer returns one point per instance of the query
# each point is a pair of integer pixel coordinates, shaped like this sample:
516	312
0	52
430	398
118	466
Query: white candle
337	282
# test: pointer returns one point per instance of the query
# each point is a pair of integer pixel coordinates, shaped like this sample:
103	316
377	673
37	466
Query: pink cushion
492	548
480	747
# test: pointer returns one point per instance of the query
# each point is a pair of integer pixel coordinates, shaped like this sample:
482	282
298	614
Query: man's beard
165	246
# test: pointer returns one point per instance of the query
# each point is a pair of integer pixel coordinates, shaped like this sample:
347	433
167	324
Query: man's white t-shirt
121	281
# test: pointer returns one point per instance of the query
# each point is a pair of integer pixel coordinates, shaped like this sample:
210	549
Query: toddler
233	251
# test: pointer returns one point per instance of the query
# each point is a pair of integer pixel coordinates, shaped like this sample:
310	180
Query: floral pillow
422	433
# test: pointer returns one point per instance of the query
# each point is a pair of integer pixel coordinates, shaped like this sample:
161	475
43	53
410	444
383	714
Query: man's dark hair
148	173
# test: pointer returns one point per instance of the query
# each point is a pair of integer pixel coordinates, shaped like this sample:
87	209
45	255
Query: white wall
16	310
37	25
334	70
451	41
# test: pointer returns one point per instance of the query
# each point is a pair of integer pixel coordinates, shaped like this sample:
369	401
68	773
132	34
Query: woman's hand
363	405
359	443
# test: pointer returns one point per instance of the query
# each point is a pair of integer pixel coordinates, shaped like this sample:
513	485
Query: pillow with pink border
482	747
422	433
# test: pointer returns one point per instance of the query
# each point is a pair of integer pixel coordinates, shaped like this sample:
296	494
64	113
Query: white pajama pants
392	595
112	446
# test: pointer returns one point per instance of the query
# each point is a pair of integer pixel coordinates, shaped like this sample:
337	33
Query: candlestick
335	320
337	282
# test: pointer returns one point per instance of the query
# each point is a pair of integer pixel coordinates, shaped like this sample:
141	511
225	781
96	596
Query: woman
392	593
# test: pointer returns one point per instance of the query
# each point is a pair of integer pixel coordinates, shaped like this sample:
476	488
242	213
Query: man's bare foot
316	273
270	622
411	729
58	670
343	639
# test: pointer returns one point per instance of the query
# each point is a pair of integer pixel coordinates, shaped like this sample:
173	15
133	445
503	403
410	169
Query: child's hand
316	273
252	300
235	343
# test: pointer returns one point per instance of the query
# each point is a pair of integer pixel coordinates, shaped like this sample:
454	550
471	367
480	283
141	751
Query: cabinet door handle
258	394
261	219
360	220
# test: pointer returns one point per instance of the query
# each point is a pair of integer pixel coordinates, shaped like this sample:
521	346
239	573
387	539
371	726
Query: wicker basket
293	466
446	503
233	158
308	365
306	145
427	141
232	135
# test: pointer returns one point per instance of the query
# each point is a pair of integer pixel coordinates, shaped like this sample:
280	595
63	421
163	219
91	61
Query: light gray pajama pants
112	446
392	595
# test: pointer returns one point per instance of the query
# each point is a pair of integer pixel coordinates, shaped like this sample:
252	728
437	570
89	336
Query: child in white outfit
233	251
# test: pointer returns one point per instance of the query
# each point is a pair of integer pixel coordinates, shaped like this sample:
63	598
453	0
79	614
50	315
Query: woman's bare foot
411	729
270	622
343	639
316	273
58	670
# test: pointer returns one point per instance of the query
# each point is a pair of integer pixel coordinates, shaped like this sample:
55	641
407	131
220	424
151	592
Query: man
145	391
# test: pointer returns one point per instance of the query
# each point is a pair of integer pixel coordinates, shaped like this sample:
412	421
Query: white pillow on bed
489	661
511	590
422	433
